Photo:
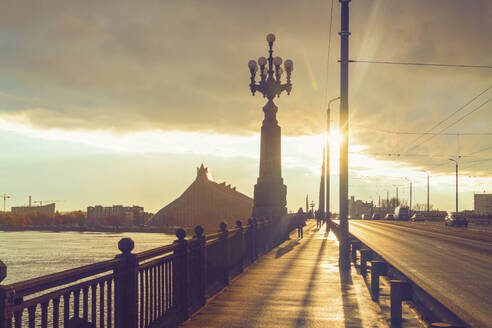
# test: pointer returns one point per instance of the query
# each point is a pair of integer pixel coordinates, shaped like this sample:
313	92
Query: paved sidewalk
297	284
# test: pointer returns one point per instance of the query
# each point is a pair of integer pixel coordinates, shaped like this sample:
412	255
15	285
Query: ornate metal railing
158	287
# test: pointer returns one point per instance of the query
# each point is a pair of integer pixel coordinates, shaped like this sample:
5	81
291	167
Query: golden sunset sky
117	102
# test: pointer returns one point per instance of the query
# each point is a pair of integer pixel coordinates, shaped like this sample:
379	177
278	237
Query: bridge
261	274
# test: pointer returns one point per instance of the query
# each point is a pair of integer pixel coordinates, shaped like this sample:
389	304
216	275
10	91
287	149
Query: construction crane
40	202
5	197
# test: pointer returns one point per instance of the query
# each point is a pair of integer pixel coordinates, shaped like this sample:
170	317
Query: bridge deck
297	284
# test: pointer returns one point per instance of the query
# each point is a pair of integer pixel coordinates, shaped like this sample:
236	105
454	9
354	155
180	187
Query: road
454	270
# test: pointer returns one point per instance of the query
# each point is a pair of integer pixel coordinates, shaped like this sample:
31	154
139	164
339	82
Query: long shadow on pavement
351	310
284	250
260	305
306	302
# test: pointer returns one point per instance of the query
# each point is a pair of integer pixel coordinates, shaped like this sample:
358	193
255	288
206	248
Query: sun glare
335	139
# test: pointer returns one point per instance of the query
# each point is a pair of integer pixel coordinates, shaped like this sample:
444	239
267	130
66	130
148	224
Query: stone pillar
181	276
126	273
270	194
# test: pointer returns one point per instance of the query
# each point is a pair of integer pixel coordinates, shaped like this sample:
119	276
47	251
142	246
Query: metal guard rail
156	287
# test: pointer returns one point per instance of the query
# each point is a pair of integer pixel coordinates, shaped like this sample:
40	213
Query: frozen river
30	254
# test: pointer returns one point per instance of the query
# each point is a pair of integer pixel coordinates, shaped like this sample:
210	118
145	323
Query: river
30	254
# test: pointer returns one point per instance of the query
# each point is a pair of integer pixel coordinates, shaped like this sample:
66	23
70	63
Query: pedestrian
318	219
300	222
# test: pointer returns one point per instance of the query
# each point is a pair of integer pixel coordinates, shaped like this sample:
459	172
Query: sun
335	139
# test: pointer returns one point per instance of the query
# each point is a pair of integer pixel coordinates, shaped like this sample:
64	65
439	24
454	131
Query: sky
119	102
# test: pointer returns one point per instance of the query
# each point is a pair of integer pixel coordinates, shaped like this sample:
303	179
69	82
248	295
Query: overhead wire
328	55
419	64
481	150
452	124
453	113
424	133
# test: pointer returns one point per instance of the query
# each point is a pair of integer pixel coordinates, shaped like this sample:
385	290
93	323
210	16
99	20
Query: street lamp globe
252	65
289	65
277	61
270	38
262	61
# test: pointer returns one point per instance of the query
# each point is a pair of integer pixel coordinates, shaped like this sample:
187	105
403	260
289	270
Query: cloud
181	66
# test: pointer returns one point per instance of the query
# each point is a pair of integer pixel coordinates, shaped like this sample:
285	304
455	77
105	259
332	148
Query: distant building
133	214
358	207
205	203
48	209
483	204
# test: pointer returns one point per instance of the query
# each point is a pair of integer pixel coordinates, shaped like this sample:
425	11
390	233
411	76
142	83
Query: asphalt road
456	271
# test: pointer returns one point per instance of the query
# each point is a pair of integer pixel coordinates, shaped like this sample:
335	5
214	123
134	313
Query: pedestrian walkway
297	284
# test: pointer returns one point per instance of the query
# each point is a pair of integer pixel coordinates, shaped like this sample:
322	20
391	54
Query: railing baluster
56	312
163	287
155	293
141	292
159	290
109	307
163	283
146	297
167	289
85	303
76	303
151	294
44	314
101	304
171	286
66	309
18	318
117	306
94	304
32	312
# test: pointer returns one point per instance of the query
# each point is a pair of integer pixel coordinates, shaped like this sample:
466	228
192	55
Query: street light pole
427	192
410	205
344	248
456	162
396	186
327	194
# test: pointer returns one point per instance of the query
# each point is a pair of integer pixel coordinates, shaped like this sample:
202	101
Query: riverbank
62	228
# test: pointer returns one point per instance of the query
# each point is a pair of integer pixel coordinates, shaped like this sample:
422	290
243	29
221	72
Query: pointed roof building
205	203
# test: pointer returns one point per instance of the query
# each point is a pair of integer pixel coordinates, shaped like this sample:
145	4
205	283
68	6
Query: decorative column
270	192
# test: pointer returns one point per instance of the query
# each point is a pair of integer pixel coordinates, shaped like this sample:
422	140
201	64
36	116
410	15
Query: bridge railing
160	286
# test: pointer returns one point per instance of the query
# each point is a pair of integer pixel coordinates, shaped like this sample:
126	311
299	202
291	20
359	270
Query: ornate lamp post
270	192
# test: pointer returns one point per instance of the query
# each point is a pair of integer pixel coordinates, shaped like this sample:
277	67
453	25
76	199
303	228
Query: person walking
300	222
318	219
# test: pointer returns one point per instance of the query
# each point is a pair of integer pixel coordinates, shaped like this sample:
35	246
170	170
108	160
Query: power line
419	64
481	150
411	155
328	55
479	162
454	123
425	133
453	113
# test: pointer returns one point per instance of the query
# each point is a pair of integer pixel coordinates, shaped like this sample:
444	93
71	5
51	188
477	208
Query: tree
114	220
422	207
393	203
